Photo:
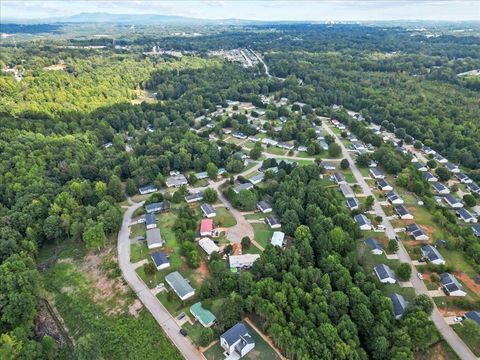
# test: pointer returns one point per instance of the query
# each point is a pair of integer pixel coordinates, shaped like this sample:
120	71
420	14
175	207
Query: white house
347	191
394	198
208	245
451	286
277	238
377	173
150	221
453	201
147	189
466	216
417	232
433	255
385	274
208	210
383	185
264	207
154	239
237	341
439	188
403	212
363	222
242	261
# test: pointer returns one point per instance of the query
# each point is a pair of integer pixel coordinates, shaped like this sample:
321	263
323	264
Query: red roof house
206	227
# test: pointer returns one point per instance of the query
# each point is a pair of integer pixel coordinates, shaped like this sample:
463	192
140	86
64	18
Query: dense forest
59	182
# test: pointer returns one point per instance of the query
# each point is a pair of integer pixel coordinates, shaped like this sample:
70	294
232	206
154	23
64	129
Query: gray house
399	305
237	340
180	286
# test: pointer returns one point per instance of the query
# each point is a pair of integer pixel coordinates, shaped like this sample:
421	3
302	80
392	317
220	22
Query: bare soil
135	307
471	284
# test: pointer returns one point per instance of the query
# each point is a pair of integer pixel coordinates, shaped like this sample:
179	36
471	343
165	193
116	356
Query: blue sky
256	10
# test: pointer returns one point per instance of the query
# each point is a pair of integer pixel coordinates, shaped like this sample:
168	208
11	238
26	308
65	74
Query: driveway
447	332
158	311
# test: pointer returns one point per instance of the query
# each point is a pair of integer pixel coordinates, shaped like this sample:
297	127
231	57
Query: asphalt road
161	315
447	332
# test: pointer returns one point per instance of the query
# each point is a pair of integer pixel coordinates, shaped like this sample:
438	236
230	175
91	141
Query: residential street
447	332
161	315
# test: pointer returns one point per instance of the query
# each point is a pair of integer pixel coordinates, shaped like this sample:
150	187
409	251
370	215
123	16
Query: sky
329	10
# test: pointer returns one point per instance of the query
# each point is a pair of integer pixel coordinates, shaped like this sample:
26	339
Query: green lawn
349	176
252	249
173	304
138	251
299	162
224	218
249	166
304	154
194	330
137	230
275	150
262	349
364	171
472	340
263	234
256	216
457	259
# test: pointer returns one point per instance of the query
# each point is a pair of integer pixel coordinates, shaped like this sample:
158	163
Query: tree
87	348
115	188
100	189
363	160
344	164
425	303
256	152
230	311
334	150
417	145
206	336
131	187
369	201
443	174
212	171
53	228
432	164
192	179
94	235
404	271
149	268
392	246
210	195
246	242
469	200
246	200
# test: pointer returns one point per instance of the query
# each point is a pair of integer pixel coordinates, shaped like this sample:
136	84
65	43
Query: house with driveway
453	202
384	274
451	285
147	189
264	207
208	210
417	232
393	198
375	247
363	222
204	316
383	185
353	204
466	216
160	260
154	239
432	254
403	212
377	173
237	340
176	181
180	285
439	188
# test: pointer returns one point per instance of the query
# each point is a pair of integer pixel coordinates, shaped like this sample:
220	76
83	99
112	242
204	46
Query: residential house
302	148
273	222
347	191
195	197
338	178
204	316
420	167
476	230
363	222
439	188
375	247
160	260
429	151
270	142
208	210
417	232
242	261
439	158
285	145
466	216
264	207
474	316
474	188
239	135
358	146
432	254
237	341
403	212
323	145
399	305
277	238
377	173
240	187
353	204
394	199
201	175
384	274
154	239
372	164
464	179
180	285
206	227
147	189
176	181
157	207
429	177
452	168
257	178
451	286
150	221
329	166
453	201
383	185
208	246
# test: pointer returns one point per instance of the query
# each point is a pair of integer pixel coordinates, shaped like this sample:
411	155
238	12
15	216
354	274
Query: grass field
472	340
364	171
275	150
256	216
263	234
299	162
349	176
440	350
193	331
92	307
138	251
224	218
262	349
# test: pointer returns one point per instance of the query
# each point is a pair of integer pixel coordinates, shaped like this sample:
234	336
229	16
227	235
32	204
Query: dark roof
352	202
233	334
272	220
384	271
207	209
361	219
159	258
438	186
148	188
160	206
376	171
427	175
431	253
150	219
263	205
461	176
194	197
464	214
401	210
418	165
452	199
373	244
450	282
473	315
382	183
399	304
476	229
339	177
392	196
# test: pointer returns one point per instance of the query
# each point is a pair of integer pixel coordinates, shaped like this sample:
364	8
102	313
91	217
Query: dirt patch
451	311
45	325
237	249
201	272
429	230
105	288
135	307
67	289
55	67
471	284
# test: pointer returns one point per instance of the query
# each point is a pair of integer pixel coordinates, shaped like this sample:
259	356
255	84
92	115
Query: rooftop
179	284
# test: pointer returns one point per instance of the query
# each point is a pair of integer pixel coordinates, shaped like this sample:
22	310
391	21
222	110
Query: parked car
381	227
181	316
458	319
183	332
420	276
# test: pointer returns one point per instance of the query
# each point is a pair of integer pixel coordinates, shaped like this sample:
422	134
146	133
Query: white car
420	276
457	319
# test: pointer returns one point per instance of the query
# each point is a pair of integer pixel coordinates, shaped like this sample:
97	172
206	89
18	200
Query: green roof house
205	317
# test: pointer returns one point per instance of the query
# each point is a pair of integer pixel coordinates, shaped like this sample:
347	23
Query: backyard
224	218
263	234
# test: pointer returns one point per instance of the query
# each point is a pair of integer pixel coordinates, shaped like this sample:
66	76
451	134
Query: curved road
447	332
150	301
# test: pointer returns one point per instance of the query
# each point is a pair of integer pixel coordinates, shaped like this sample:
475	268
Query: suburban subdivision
174	188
